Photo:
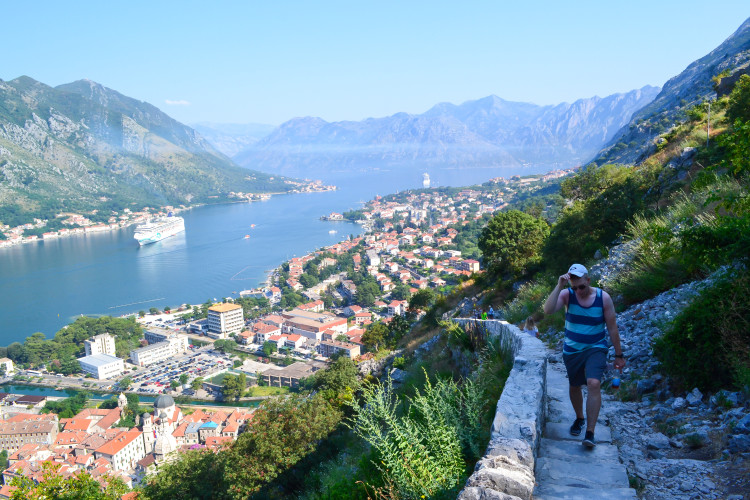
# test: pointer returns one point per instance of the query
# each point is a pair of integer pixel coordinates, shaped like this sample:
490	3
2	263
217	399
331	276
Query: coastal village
410	244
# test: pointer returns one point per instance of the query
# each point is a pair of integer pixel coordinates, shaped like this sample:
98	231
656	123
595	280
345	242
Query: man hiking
588	310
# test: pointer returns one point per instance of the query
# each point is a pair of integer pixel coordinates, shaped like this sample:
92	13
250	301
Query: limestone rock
739	443
503	474
679	403
479	493
657	441
743	426
515	449
645	386
694	398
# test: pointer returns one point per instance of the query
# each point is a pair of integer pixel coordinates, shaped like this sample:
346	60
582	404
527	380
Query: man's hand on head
562	282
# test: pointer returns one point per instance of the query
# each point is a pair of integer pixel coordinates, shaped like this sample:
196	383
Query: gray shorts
590	363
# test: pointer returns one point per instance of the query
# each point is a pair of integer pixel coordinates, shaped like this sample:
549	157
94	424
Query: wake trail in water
136	303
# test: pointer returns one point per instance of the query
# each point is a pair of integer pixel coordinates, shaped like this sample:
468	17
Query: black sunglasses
579	287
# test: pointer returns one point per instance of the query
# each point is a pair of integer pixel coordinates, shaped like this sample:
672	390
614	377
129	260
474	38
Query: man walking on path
588	310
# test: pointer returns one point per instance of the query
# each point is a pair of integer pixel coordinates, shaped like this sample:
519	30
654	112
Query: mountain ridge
693	85
84	147
486	131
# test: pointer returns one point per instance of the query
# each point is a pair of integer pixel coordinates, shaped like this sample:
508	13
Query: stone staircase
566	470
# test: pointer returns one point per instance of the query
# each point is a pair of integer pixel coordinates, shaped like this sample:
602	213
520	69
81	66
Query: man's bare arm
556	300
610	318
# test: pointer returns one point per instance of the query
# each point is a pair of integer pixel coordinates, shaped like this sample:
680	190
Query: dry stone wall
506	471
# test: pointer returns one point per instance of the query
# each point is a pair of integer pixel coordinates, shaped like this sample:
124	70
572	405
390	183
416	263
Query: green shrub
528	300
512	241
738	107
708	344
419	451
399	362
604	200
695	236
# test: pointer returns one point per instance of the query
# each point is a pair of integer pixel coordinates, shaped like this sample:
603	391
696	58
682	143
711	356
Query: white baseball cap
578	270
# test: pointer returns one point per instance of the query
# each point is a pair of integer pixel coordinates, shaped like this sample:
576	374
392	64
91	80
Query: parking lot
203	363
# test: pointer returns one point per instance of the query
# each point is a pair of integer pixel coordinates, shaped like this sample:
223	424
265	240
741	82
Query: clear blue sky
266	62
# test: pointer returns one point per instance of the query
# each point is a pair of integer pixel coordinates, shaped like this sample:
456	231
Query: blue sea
48	284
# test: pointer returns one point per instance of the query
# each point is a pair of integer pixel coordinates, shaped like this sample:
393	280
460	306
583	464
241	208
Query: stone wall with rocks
376	367
507	469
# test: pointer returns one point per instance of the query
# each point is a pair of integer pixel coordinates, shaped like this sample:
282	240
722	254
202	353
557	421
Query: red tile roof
119	442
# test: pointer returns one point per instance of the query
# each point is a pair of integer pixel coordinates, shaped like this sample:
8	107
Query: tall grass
423	445
528	300
419	451
696	235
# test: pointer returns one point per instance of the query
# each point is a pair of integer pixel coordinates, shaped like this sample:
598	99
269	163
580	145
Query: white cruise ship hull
151	232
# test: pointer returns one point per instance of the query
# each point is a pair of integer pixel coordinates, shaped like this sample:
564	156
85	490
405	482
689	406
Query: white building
100	344
124	450
373	258
160	351
224	319
156	335
102	366
8	364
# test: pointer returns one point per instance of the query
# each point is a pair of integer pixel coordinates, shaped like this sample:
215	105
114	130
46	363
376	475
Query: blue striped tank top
584	326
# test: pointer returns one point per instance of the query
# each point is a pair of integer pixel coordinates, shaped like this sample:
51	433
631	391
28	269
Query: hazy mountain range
488	131
232	138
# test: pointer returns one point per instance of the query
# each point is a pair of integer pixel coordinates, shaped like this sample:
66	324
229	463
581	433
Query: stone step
561	431
566	473
558	492
574	451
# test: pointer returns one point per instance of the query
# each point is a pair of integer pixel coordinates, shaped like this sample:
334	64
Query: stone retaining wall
506	472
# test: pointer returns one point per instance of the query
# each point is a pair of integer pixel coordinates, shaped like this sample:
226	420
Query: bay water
45	285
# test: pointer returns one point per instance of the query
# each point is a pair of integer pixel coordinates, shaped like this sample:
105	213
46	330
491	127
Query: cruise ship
158	229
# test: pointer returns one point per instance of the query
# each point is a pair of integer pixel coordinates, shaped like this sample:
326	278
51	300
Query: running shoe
589	441
577	427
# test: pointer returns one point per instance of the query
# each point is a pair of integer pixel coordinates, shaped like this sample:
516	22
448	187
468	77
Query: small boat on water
332	231
247	236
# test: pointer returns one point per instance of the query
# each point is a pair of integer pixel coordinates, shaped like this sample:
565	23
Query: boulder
694	398
743	426
657	441
679	403
645	386
739	443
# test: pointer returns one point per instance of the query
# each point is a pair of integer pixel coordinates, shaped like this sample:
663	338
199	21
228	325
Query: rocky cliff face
82	146
488	131
692	86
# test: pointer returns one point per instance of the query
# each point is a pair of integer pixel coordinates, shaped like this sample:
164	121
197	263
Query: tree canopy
512	241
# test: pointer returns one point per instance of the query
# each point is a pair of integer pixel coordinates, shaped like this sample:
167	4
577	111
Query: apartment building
124	450
160	351
328	348
310	324
24	429
225	319
100	344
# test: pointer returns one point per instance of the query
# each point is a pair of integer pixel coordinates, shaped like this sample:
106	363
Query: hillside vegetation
82	147
684	213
